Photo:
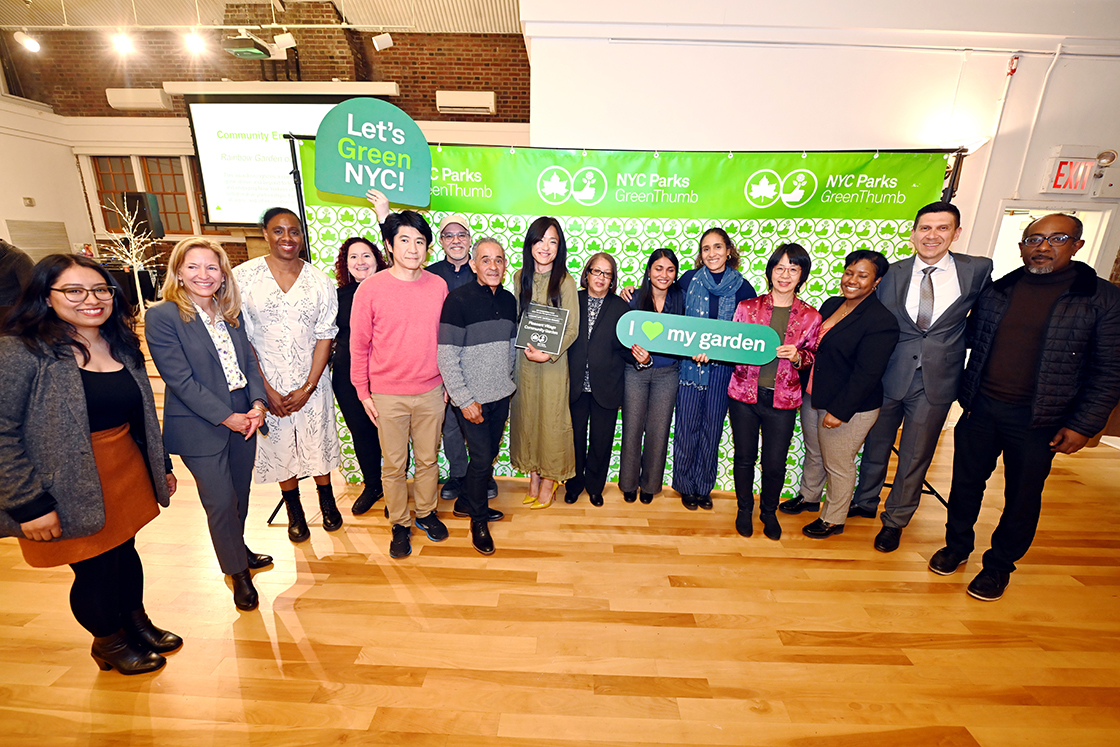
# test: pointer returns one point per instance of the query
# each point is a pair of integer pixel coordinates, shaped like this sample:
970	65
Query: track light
381	42
122	43
195	43
26	41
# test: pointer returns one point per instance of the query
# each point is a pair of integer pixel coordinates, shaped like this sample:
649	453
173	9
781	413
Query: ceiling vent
465	102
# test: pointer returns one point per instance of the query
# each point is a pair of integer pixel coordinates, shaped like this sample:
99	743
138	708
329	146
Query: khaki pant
399	418
839	447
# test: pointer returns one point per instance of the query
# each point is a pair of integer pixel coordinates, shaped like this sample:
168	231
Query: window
164	177
114	177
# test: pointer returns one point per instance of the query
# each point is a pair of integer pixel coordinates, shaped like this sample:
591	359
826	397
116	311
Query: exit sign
1071	176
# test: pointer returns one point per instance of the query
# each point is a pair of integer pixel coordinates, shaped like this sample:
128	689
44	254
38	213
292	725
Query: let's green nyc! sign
688	336
368	144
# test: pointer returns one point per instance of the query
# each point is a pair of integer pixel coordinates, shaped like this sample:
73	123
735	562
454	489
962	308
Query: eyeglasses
455	236
786	271
77	295
1055	241
600	273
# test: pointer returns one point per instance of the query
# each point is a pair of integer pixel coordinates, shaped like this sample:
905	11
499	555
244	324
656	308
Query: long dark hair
34	322
644	294
342	268
536	232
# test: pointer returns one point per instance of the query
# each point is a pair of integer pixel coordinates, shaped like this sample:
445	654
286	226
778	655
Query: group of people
417	354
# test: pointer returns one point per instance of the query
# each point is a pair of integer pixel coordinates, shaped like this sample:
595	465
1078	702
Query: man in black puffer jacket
1043	376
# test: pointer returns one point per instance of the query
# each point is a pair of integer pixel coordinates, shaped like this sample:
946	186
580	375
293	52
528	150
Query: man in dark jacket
1042	378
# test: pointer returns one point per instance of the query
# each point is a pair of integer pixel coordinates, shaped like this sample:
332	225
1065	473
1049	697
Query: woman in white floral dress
290	310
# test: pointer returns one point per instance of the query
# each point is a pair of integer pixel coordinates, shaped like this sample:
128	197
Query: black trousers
990	429
107	587
483	441
594	458
776	428
367	446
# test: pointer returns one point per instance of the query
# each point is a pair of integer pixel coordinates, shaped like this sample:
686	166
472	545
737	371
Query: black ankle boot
770	526
244	593
297	523
141	630
743	524
332	519
117	652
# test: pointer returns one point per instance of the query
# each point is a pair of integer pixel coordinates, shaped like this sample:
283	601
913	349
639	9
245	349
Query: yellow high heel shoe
551	498
532	496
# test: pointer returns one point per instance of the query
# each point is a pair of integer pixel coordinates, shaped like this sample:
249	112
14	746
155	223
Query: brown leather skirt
130	503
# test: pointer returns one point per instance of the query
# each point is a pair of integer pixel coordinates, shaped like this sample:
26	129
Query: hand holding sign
688	336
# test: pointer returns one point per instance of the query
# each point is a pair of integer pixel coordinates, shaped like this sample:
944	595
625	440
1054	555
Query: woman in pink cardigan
765	399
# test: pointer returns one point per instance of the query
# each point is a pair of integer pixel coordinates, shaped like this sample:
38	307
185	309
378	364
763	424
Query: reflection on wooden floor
621	625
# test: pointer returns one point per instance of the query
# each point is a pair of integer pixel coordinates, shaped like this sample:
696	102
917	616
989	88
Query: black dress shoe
480	537
629	495
690	501
887	539
945	562
988	586
596	499
646	498
366	500
863	513
571	497
798	505
770	526
491	490
244	594
141	631
704	502
821	529
492	514
743	524
118	652
451	489
256	560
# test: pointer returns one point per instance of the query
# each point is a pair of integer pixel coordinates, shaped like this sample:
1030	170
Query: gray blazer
197	398
941	348
45	441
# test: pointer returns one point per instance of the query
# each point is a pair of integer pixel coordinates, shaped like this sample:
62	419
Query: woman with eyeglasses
214	400
712	291
596	365
650	387
82	464
764	400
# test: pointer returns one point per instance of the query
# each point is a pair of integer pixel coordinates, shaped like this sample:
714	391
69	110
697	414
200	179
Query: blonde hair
227	296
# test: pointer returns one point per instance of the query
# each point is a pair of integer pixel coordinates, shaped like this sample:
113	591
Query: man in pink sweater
393	341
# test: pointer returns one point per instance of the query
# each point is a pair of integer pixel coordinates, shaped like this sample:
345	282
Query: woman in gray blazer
215	398
82	465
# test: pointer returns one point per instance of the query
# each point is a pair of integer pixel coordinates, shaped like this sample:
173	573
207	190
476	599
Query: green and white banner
629	203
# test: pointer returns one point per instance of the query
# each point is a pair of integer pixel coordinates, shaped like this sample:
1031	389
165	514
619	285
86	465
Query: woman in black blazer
596	364
215	399
857	338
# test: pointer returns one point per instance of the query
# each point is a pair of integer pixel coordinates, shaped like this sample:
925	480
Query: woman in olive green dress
540	422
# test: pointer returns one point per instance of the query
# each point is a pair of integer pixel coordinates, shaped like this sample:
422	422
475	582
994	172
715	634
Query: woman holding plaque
712	291
540	434
765	399
856	341
597	361
650	387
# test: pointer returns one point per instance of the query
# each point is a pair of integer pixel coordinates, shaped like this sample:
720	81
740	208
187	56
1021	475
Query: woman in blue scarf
712	291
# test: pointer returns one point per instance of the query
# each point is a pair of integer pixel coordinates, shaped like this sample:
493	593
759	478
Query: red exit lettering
1073	175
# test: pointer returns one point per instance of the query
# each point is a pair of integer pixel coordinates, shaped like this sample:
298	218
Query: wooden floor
620	625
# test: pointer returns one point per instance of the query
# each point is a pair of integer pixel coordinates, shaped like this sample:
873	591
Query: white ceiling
419	16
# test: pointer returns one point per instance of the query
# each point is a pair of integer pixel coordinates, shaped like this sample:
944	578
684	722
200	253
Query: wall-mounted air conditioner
465	102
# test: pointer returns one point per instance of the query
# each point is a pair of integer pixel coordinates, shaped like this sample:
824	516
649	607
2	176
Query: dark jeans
776	427
483	441
367	445
107	587
593	455
992	428
454	444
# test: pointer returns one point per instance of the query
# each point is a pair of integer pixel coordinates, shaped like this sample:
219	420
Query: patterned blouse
594	306
219	333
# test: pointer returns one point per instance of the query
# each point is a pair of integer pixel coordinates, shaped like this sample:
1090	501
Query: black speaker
146	207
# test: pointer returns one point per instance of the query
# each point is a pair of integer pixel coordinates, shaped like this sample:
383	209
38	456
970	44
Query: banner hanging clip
730	154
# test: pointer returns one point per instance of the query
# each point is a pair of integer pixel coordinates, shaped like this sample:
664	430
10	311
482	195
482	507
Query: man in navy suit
931	294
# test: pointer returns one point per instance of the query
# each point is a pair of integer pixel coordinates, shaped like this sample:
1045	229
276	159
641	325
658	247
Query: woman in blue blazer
215	399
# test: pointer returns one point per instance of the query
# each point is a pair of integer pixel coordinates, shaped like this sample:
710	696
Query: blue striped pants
697	430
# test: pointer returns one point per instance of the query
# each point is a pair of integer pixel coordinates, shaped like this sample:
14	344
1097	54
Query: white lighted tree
133	245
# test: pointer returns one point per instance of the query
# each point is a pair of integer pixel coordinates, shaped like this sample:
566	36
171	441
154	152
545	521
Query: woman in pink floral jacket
765	399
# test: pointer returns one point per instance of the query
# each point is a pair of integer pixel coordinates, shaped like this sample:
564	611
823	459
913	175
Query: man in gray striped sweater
476	333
